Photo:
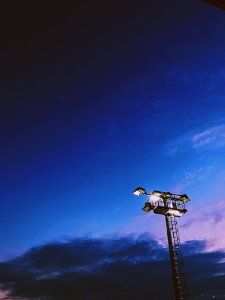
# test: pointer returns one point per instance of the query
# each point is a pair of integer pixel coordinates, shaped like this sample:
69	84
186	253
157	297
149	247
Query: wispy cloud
211	137
200	76
190	177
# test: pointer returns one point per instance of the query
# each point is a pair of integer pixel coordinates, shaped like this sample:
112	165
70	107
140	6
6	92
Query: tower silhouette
171	206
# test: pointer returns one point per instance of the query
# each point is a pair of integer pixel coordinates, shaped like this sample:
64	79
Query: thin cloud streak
212	137
190	177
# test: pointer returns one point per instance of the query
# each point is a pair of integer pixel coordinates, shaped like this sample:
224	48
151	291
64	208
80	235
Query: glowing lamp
154	198
139	191
157	193
175	212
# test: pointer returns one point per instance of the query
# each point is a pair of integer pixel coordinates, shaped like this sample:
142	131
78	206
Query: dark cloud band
112	268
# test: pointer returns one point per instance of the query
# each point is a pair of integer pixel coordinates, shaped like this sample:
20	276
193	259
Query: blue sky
94	105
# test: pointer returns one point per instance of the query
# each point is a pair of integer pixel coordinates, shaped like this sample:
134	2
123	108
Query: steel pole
177	266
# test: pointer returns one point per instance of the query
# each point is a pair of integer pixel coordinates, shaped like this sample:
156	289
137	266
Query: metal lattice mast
171	206
176	260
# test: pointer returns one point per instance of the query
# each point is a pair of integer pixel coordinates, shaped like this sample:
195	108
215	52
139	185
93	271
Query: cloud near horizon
202	223
126	267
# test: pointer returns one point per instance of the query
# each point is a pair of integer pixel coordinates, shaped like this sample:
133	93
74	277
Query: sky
97	98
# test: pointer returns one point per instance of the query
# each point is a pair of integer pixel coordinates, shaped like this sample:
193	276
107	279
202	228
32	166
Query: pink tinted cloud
4	295
207	223
149	223
203	223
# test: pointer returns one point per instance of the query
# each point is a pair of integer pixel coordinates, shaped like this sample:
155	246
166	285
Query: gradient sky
98	98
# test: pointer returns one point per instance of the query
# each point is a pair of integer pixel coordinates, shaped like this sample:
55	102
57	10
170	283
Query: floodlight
175	212
184	198
139	191
157	193
148	206
154	198
168	195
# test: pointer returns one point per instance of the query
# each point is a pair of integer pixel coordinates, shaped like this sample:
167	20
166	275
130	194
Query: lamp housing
139	191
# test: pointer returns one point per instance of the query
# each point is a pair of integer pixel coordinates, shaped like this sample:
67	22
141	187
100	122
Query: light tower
171	206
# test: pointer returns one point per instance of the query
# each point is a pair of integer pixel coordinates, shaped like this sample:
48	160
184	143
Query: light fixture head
175	212
168	195
184	198
154	198
157	193
139	191
148	206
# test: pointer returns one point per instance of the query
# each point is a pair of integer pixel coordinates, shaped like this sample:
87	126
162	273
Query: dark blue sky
98	98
